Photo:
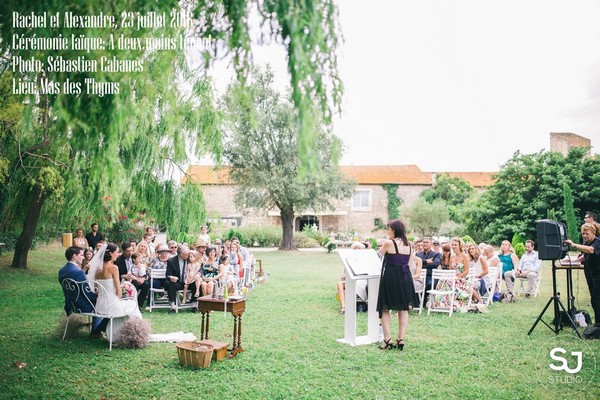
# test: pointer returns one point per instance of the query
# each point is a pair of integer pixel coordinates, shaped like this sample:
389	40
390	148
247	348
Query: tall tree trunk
28	233
287	221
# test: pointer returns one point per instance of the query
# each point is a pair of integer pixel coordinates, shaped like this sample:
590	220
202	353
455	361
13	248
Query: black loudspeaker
551	236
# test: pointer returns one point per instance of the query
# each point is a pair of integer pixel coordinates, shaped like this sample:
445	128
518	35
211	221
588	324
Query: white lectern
361	264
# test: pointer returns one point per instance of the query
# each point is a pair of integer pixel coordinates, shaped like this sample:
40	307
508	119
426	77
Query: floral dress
461	292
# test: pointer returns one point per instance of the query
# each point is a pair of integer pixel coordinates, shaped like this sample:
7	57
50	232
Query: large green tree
426	218
527	186
259	151
72	151
454	191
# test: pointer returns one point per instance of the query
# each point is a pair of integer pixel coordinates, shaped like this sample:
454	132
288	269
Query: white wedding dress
108	303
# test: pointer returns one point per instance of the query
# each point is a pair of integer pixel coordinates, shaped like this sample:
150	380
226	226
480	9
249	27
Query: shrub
373	242
124	230
516	239
10	239
301	241
263	236
320	237
468	239
519	249
235	233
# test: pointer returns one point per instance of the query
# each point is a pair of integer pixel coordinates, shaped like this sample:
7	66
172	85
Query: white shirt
530	262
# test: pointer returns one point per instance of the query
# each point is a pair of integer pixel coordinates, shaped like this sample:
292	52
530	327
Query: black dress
396	288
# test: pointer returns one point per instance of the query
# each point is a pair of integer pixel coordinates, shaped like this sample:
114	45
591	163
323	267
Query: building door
304	220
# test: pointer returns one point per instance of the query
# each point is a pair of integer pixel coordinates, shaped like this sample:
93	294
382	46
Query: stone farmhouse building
363	212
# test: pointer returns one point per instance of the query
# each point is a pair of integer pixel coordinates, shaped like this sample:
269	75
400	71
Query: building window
361	200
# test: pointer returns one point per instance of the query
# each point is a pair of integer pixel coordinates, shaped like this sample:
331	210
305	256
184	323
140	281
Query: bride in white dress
104	274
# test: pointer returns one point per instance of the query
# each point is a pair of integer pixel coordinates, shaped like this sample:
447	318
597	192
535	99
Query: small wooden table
206	304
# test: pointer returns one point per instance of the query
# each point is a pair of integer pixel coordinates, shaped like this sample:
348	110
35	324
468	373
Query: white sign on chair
361	264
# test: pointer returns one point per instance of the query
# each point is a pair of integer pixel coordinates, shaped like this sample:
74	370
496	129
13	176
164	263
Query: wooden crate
220	348
194	354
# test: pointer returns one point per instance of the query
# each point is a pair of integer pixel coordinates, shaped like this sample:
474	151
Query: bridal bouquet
128	291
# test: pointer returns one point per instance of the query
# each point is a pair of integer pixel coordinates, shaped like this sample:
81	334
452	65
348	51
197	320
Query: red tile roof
380	174
477	179
364	174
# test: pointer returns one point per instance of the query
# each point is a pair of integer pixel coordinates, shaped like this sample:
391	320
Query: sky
454	85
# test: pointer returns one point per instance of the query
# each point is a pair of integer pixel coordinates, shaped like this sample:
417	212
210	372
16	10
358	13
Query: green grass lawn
290	329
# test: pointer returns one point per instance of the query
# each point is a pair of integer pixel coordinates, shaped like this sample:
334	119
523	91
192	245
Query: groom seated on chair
72	270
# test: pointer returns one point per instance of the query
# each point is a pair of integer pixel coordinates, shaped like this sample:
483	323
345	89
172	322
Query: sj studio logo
556	354
566	362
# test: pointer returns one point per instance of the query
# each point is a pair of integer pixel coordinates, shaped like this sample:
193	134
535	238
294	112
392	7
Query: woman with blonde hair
143	253
509	261
478	263
192	274
459	261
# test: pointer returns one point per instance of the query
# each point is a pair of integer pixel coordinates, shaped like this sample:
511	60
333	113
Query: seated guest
492	260
133	271
478	263
231	279
509	262
172	245
83	303
459	262
87	257
79	240
192	275
436	246
430	259
235	257
200	247
159	262
139	278
415	271
175	279
150	237
528	267
143	253
418	245
210	272
446	256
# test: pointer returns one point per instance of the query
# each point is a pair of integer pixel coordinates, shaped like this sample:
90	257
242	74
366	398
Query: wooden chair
444	291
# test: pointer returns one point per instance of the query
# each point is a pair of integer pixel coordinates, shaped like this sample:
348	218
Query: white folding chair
442	292
75	290
490	285
421	293
523	283
158	274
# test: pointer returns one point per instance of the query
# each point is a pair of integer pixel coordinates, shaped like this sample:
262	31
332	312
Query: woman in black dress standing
396	289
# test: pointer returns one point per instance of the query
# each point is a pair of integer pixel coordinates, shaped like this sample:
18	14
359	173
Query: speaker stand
555	300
